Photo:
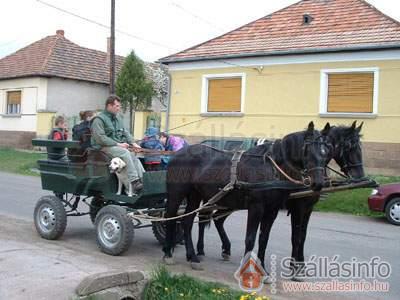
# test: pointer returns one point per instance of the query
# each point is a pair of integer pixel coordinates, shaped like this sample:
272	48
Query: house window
223	94
14	102
349	92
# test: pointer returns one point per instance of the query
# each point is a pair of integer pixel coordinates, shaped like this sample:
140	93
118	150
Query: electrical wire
202	19
106	26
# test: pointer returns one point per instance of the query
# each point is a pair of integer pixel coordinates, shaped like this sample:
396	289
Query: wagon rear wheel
159	231
50	217
114	230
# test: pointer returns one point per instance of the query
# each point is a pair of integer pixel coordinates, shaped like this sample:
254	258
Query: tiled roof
336	25
56	56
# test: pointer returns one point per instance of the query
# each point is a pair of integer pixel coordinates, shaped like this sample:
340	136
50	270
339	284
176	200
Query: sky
152	28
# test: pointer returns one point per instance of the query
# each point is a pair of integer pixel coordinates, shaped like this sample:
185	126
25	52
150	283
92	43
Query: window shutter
351	92
224	95
14	97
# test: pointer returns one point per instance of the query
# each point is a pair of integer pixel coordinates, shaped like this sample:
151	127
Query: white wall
69	97
34	94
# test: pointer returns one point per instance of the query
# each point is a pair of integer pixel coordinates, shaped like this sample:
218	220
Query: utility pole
112	49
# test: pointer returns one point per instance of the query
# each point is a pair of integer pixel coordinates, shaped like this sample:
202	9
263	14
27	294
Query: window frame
324	85
6	113
204	94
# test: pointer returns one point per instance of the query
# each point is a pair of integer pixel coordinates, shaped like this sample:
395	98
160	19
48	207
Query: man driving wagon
110	136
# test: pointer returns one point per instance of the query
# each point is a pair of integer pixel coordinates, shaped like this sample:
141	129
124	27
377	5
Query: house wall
69	97
18	130
282	98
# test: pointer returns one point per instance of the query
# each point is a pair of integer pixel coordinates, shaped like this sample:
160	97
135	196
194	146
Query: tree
158	74
132	86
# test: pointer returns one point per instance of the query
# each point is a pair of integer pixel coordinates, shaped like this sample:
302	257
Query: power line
196	16
106	26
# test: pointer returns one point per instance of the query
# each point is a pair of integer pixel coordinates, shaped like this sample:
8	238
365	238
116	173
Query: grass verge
18	161
165	286
353	202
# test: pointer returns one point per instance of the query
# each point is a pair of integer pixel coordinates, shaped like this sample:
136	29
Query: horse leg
202	226
265	229
193	204
300	253
173	204
226	244
300	215
254	215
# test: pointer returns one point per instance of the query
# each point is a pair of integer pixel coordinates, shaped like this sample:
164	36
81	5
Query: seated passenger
150	141
58	133
171	143
81	132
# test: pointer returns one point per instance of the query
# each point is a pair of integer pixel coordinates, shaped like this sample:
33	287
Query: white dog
117	166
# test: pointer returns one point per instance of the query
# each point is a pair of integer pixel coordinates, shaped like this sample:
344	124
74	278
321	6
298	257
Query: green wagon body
92	178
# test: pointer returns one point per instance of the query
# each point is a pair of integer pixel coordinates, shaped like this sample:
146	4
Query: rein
283	172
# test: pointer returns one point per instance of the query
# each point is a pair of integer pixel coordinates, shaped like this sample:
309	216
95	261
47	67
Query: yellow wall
283	99
44	123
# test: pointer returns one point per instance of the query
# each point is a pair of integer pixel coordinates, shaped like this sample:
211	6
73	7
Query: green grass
20	162
353	202
165	286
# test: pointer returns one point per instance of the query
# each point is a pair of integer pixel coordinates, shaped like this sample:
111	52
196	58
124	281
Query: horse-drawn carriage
117	216
90	182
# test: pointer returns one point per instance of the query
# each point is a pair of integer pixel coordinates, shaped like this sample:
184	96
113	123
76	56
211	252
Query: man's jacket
108	130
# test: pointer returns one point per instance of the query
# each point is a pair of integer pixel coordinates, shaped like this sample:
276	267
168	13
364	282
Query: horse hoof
168	260
268	280
200	257
298	278
225	257
197	266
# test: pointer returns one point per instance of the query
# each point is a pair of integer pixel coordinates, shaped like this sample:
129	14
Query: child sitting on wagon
150	141
58	133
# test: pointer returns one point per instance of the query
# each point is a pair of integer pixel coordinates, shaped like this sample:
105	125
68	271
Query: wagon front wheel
114	230
50	217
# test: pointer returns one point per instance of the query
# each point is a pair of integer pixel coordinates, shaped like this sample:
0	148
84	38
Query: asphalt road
33	268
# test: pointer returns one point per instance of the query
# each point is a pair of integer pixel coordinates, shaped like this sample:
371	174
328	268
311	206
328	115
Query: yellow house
323	60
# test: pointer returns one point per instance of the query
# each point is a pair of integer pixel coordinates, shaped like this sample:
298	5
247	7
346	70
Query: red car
386	198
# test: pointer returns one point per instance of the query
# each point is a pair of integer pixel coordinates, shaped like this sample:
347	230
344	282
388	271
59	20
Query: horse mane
342	131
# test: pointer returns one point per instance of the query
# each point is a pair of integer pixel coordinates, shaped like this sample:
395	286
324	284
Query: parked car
386	198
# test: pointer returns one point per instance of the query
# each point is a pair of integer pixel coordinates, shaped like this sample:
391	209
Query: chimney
60	32
108	50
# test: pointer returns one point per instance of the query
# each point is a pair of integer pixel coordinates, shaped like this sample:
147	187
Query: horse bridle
347	146
306	178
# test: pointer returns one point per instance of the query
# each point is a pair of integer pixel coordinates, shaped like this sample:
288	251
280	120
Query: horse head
347	149
308	151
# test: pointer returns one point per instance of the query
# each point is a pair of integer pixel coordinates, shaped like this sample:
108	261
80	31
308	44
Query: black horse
346	151
198	172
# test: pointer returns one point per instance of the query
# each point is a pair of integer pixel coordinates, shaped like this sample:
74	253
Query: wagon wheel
96	204
50	217
114	230
159	231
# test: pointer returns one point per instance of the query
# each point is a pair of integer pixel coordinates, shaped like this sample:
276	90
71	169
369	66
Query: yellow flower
258	298
214	290
166	289
253	293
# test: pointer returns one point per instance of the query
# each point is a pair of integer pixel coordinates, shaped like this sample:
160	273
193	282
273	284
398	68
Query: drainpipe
168	102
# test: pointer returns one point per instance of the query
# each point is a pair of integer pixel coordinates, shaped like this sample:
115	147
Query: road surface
33	268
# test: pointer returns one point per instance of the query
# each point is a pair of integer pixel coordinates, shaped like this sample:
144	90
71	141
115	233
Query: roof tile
335	24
